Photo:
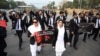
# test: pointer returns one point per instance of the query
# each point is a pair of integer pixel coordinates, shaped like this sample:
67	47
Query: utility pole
80	3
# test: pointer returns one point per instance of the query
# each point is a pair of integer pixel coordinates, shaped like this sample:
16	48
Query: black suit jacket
25	20
49	20
42	21
94	20
56	35
64	18
22	24
83	20
73	26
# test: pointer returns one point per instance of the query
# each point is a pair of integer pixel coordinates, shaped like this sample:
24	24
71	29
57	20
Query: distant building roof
24	6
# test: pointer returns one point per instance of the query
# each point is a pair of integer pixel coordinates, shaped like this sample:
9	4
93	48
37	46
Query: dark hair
60	20
34	18
61	12
74	14
97	14
52	13
17	14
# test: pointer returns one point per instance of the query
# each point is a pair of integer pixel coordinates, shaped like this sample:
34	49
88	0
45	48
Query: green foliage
4	4
51	5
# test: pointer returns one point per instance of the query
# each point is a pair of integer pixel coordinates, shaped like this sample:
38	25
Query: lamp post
79	2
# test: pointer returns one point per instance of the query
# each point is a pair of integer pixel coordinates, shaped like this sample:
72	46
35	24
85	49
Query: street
90	48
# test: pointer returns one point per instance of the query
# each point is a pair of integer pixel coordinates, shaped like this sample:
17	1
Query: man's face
87	14
62	14
75	16
98	16
17	16
51	15
40	12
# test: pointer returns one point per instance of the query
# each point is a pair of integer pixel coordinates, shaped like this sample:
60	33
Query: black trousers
85	36
76	36
19	33
2	46
95	32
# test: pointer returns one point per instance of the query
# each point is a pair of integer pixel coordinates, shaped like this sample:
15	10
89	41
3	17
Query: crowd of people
30	22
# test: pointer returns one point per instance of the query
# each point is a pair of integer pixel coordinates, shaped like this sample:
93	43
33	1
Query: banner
44	36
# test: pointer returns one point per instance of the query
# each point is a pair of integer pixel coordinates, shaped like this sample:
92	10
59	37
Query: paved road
90	48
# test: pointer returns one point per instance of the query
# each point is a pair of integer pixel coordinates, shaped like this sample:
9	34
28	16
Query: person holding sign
35	27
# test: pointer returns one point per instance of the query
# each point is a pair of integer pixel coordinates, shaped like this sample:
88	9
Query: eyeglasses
35	22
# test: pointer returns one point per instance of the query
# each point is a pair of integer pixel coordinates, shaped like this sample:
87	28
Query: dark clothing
13	19
49	22
73	28
64	18
95	31
19	33
3	44
42	21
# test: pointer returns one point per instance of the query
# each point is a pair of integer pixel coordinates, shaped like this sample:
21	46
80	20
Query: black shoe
99	35
89	36
20	49
3	54
70	45
75	48
15	34
94	39
84	41
38	52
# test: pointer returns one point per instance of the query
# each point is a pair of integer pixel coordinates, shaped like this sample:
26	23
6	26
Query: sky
40	3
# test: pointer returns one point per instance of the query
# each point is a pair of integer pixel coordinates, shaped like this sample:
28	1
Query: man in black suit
95	31
27	21
74	30
41	19
51	21
19	29
61	17
85	19
12	18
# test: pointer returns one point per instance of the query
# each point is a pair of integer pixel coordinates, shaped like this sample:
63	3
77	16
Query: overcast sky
40	3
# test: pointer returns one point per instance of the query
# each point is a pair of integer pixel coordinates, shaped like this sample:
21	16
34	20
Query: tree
4	4
68	4
86	3
51	5
12	4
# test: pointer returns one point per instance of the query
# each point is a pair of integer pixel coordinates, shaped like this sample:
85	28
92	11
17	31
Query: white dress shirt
18	25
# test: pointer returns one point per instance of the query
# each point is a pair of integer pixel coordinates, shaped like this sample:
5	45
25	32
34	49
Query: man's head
97	15
40	12
61	13
74	16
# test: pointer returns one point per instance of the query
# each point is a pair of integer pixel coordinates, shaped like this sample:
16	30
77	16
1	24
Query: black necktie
18	25
98	23
27	19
